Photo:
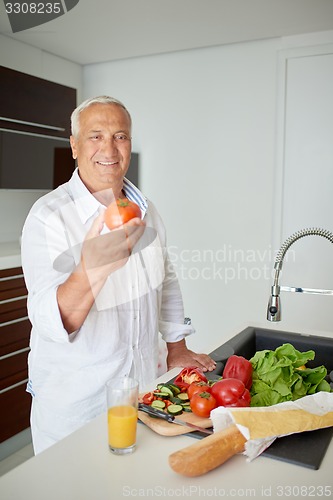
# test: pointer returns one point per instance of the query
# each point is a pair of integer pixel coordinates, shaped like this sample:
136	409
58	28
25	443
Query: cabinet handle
34	134
13	299
14	277
12	321
14	386
32	124
10	354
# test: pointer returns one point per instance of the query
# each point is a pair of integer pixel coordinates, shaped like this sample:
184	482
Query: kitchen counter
81	467
10	254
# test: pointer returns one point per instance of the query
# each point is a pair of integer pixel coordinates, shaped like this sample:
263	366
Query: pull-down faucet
274	305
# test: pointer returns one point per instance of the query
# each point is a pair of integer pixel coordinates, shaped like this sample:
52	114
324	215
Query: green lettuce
280	376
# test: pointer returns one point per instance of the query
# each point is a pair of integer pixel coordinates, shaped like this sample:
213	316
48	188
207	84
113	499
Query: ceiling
104	30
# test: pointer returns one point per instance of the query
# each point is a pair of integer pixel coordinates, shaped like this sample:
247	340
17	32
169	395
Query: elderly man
97	299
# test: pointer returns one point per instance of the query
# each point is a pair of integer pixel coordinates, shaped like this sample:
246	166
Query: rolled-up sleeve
42	276
171	322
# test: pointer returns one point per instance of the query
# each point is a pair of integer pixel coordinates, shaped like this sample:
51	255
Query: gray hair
103	99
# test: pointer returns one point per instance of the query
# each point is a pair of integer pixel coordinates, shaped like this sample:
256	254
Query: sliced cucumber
175	409
169	387
187	408
183	396
158	404
162	395
176	401
166	390
175	389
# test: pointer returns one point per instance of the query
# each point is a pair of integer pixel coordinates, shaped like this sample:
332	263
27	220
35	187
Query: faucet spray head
274	305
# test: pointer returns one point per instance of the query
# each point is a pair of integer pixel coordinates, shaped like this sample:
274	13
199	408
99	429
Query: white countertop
10	254
81	467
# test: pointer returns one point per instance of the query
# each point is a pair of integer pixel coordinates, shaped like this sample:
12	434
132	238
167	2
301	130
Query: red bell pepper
231	392
240	368
188	375
148	398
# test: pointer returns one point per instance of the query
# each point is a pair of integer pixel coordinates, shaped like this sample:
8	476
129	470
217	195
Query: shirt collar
134	194
86	203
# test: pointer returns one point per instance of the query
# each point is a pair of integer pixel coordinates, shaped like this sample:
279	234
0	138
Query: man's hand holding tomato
103	254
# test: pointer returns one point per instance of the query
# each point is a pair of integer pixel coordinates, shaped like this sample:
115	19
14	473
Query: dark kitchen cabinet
33	104
15	329
34	131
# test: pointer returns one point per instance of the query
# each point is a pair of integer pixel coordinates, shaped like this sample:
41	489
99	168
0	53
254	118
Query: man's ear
73	146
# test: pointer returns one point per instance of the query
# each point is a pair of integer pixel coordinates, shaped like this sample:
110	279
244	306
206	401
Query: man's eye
94	137
121	137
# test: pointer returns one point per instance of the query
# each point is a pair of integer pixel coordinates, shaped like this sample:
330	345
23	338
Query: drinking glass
122	405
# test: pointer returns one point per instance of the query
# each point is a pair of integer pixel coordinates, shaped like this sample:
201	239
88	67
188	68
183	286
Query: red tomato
121	211
231	392
245	399
197	387
202	403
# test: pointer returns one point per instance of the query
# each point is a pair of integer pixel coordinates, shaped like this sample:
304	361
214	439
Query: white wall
15	204
205	128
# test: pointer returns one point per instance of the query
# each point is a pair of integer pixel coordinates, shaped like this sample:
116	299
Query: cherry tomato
121	211
231	392
202	403
197	387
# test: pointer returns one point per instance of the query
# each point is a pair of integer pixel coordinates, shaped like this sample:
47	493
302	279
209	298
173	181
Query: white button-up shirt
67	373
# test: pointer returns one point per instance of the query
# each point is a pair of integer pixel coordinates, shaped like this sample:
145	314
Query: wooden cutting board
167	429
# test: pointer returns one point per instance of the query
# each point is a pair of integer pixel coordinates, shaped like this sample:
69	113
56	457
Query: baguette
208	453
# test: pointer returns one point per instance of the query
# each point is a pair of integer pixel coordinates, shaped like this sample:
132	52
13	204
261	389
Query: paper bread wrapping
262	425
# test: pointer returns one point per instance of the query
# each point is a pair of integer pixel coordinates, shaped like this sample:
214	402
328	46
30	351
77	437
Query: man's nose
109	146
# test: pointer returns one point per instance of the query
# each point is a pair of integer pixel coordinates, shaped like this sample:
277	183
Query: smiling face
103	147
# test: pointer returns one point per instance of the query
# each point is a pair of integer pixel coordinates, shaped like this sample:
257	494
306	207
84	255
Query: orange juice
122	422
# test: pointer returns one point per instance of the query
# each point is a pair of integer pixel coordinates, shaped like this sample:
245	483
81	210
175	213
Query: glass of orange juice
122	403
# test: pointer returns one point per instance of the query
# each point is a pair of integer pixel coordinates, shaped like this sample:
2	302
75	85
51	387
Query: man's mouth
107	163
